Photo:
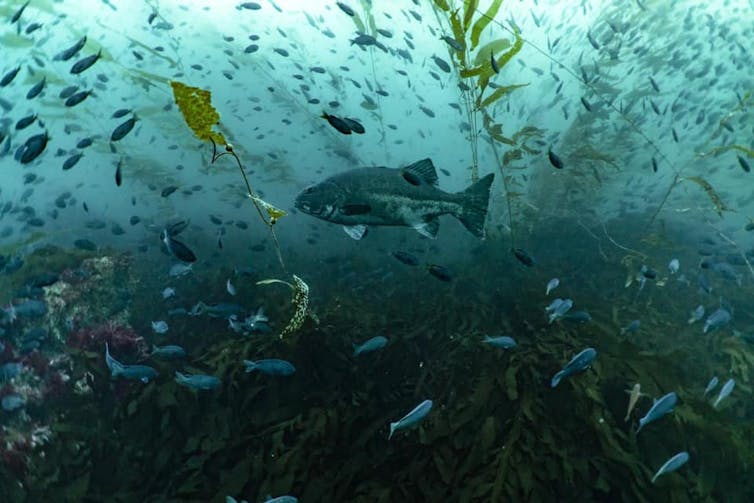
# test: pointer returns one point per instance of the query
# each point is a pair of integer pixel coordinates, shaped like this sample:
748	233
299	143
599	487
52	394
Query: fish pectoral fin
428	228
355	231
424	170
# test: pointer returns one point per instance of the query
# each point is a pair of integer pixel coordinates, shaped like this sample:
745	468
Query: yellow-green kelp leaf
459	35
717	150
196	107
300	303
468	12
711	193
483	21
442	5
496	95
273	212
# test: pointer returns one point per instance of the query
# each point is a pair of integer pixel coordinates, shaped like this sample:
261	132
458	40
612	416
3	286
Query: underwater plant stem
624	248
507	192
253	197
379	105
732	243
607	103
596	237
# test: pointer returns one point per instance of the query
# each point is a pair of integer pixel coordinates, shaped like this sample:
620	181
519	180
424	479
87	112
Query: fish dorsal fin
428	228
355	231
423	169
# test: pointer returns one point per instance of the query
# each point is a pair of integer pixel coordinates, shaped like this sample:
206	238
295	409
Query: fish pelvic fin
474	203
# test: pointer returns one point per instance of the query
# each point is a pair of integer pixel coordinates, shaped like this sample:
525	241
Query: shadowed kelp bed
497	430
130	139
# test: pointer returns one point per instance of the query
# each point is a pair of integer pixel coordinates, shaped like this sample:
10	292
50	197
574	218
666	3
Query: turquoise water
185	319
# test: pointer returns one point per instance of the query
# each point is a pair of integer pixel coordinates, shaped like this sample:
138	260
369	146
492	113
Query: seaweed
720	207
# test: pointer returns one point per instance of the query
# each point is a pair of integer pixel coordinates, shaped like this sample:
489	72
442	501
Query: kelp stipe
196	107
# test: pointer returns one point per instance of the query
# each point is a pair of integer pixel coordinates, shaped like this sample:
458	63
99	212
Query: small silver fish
229	286
697	314
412	418
634	395
159	327
552	285
168	292
674	265
711	386
502	341
661	407
672	464
725	391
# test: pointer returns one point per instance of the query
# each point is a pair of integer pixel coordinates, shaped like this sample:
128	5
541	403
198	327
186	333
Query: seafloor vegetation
498	432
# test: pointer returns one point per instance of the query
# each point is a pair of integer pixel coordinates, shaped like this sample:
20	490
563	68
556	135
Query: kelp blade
711	193
196	107
483	21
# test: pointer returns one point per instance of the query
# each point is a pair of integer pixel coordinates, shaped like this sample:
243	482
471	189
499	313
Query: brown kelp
196	108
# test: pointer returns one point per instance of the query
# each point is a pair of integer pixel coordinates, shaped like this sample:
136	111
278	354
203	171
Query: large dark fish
404	197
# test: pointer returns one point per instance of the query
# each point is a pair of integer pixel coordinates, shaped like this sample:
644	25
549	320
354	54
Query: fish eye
309	190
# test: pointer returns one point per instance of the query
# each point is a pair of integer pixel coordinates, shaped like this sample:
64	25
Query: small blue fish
502	341
660	407
674	266
412	418
168	292
271	366
197	381
552	285
672	464
716	320
281	499
558	308
12	402
631	328
141	373
169	352
697	314
159	327
578	363
726	390
372	344
710	386
9	370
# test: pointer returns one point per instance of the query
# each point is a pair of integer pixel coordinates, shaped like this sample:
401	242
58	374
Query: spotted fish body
395	197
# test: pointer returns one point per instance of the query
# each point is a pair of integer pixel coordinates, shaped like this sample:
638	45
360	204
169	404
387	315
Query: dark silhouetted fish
8	77
67	54
122	130
84	63
33	147
38	87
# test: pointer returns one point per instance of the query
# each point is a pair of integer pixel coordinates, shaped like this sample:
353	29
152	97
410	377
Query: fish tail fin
392	430
179	377
475	201
250	366
556	379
